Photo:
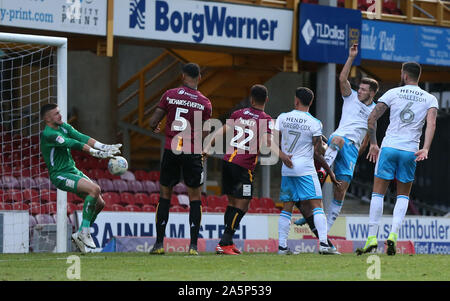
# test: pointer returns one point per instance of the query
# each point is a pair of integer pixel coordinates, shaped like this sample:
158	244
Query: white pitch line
49	259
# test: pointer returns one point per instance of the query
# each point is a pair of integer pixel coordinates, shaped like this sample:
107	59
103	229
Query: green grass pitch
212	267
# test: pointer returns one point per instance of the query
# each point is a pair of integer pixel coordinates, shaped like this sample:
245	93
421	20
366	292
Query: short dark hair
191	70
259	94
305	95
413	69
47	107
373	84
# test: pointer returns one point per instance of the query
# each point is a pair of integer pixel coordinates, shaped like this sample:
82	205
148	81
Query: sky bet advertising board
205	22
326	33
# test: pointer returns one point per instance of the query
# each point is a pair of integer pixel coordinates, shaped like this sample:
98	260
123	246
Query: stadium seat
174	200
9	182
154	198
275	210
178	208
6	170
180	188
133	208
20	206
80	207
219	209
42	183
35	208
12	195
73	198
213	201
71	208
44	219
106	185
127	198
262	210
149	186
1	196
117	207
120	185
142	175
50	208
48	195
266	203
96	174
5	206
142	199
207	209
111	198
136	186
148	208
154	175
128	176
26	182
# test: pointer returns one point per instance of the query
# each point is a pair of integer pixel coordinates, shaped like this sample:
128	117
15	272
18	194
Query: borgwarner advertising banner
75	16
109	224
205	22
326	33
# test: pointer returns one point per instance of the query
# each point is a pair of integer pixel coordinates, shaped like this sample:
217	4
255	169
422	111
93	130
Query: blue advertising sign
326	33
387	41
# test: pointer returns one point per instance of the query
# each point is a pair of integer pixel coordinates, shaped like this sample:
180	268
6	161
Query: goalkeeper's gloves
101	154
115	148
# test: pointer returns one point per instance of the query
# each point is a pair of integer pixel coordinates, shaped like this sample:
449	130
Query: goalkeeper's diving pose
57	139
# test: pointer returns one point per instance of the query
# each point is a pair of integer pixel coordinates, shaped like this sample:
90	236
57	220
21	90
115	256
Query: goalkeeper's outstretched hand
101	154
115	148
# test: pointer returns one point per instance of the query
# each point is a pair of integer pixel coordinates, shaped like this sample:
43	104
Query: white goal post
61	91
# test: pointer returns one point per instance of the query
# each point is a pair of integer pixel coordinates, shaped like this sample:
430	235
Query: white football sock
401	206
284	225
320	221
375	213
333	210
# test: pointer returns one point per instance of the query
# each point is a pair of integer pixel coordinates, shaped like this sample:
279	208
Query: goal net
33	72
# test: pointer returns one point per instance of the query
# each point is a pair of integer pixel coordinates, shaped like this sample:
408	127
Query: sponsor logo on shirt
60	140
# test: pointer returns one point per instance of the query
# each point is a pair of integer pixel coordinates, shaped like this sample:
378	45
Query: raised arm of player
344	84
422	154
377	112
318	156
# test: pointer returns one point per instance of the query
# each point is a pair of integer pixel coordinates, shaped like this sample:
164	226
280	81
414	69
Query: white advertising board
75	16
109	224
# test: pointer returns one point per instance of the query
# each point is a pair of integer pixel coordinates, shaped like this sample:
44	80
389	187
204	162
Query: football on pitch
117	165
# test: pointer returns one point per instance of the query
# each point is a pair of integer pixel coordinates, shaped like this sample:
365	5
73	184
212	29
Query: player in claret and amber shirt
251	127
185	107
